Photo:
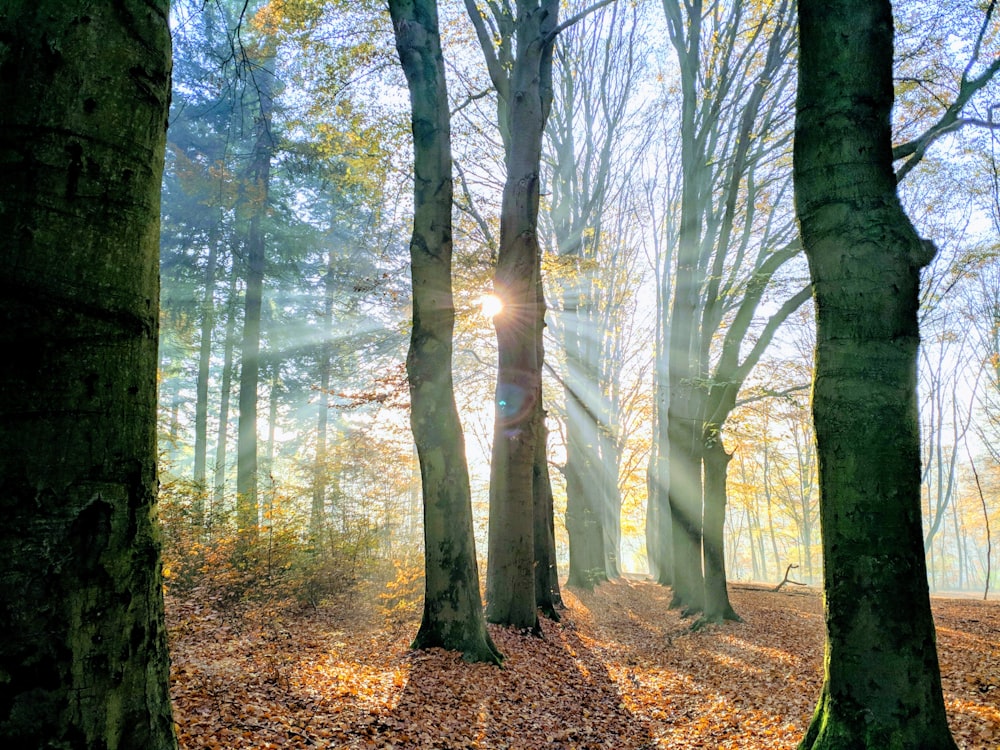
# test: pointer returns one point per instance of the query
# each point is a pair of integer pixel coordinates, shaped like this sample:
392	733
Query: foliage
278	564
402	595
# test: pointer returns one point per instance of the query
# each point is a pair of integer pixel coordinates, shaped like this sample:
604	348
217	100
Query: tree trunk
659	531
317	515
716	459
547	595
258	182
85	89
684	413
225	396
584	511
882	686
526	100
206	326
610	498
453	613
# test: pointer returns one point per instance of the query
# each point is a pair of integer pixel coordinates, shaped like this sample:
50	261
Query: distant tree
255	203
197	228
735	235
85	90
865	259
453	613
597	66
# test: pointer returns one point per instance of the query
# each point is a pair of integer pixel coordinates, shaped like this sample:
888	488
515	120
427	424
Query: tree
453	614
256	204
82	132
882	684
521	70
597	68
735	236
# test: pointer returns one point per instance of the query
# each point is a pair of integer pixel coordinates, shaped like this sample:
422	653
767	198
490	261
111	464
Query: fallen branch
786	579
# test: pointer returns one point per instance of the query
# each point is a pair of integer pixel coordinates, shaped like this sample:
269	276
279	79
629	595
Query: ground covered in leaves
620	671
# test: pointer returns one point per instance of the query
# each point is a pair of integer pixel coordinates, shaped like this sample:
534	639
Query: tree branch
551	36
913	151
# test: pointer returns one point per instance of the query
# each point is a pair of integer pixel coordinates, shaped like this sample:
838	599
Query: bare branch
550	37
497	74
913	151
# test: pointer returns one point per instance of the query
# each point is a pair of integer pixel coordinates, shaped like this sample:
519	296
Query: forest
500	374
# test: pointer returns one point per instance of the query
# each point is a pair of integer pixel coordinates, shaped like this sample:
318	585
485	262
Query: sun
490	305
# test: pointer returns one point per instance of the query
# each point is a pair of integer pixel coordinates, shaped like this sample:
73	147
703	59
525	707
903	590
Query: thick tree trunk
510	578
453	613
715	459
547	595
684	450
882	687
85	89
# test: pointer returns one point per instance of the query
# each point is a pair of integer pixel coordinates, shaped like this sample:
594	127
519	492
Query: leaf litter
621	671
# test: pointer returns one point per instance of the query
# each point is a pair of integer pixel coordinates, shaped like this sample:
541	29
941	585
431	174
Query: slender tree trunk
659	531
259	177
584	516
85	90
547	594
206	327
225	396
317	516
610	498
453	614
882	685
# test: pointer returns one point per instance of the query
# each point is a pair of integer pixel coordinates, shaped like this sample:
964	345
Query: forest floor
621	671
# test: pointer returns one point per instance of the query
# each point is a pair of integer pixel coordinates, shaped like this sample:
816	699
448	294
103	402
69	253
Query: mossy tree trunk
882	687
85	89
453	609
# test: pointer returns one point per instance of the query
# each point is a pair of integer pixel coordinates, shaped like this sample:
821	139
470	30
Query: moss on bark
85	89
882	686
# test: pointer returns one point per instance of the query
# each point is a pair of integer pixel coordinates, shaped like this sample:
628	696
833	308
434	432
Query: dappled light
621	670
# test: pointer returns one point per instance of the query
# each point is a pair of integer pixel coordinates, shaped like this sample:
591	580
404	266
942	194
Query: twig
786	579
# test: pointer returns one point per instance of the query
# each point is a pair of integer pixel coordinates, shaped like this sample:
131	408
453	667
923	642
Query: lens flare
490	305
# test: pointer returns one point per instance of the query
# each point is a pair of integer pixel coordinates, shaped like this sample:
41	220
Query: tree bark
715	459
882	686
453	612
85	89
548	598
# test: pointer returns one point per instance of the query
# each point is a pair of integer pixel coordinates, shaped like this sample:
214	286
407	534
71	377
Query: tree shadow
553	692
